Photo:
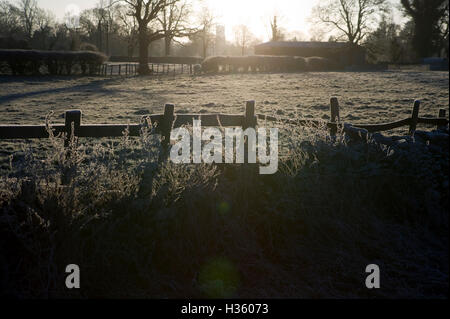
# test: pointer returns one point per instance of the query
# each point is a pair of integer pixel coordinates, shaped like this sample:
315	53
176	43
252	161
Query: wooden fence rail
169	120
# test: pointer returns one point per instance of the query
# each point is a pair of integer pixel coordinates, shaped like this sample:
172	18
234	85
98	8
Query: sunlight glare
256	15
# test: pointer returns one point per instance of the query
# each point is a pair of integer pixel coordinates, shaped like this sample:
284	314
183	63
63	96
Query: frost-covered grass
142	230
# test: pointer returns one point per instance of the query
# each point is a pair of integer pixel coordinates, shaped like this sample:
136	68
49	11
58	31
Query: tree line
370	23
172	27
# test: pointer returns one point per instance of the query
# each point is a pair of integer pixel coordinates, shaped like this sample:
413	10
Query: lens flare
219	278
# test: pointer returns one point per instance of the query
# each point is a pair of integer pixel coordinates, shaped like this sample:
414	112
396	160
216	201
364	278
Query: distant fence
118	65
158	60
111	69
169	120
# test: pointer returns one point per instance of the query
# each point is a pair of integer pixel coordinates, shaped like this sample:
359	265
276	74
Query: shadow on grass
93	84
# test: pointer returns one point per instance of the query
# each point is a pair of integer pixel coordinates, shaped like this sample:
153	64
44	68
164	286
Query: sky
253	13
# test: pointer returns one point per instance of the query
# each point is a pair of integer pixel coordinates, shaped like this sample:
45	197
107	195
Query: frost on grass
141	229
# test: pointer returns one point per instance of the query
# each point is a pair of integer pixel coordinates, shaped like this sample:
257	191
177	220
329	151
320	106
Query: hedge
35	62
265	63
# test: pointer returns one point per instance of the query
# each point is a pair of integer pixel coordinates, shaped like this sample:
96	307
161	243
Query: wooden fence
169	120
155	68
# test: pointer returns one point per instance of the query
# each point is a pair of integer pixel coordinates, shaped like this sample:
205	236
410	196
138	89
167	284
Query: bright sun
256	15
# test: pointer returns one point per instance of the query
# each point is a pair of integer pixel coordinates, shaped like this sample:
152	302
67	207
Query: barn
343	53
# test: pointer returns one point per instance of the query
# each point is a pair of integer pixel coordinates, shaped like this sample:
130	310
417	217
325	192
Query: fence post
249	122
442	114
335	114
414	117
190	69
120	69
72	116
166	128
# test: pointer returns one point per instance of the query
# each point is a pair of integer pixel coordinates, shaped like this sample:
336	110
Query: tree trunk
167	45
130	50
143	52
107	40
205	44
423	37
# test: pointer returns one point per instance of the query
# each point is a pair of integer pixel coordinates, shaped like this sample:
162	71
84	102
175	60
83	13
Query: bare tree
128	29
45	22
28	11
174	23
352	19
9	19
105	17
243	37
277	34
207	22
146	13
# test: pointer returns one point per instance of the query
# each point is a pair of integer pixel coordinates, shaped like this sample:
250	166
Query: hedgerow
35	62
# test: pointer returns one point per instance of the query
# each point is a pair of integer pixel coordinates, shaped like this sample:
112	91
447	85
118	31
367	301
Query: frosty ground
365	97
172	231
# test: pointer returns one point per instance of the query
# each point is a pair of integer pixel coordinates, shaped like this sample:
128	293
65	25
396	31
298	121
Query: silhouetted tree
277	34
385	44
10	21
146	13
28	12
243	37
430	20
207	22
352	19
128	29
45	23
174	23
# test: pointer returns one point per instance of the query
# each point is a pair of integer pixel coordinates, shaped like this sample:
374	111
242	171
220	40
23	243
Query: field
142	230
365	97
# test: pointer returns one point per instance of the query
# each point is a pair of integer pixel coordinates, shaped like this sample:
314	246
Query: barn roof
303	44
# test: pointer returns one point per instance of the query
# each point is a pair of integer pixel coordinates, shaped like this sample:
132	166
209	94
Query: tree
207	22
243	37
146	12
277	34
444	27
384	44
98	24
128	29
174	23
28	10
45	22
351	19
430	18
9	19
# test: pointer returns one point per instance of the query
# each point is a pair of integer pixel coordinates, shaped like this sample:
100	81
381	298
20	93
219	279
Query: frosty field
163	230
364	97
